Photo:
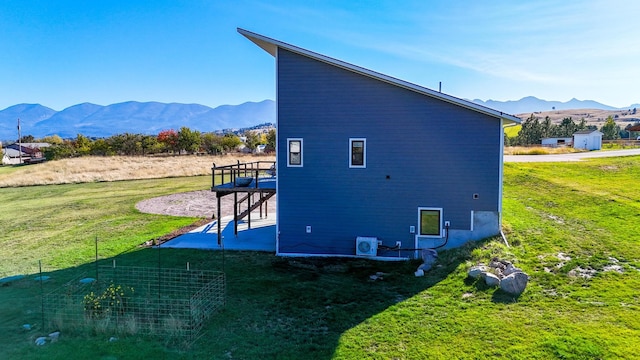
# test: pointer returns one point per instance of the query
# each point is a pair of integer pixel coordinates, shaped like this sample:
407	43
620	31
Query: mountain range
152	117
130	117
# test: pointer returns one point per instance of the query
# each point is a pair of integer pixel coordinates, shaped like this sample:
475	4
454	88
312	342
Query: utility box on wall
366	246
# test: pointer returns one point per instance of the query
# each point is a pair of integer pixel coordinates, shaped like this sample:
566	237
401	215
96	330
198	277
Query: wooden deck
251	184
244	177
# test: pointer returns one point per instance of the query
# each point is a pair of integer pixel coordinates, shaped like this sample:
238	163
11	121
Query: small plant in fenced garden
112	300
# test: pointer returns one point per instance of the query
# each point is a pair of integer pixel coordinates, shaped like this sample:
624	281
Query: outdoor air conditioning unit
366	246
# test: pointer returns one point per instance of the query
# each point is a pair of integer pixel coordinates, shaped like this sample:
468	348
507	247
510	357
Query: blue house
370	165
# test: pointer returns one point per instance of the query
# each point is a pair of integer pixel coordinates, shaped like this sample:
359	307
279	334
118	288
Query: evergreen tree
566	128
582	125
271	140
548	128
253	139
27	139
531	132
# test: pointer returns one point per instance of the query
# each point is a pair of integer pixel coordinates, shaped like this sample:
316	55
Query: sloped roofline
586	132
271	46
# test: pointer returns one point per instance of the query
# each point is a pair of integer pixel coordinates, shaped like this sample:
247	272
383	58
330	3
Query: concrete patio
261	236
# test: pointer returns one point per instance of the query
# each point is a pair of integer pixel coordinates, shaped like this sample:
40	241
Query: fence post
97	272
41	293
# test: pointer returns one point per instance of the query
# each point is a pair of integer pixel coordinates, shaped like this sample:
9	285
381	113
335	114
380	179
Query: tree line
533	130
183	141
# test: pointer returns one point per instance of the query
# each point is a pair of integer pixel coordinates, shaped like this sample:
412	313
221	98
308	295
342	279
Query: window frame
364	153
289	141
440	222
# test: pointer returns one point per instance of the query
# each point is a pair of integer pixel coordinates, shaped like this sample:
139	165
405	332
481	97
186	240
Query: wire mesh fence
173	303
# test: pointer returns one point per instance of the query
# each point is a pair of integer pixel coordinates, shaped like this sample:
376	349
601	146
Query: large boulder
514	283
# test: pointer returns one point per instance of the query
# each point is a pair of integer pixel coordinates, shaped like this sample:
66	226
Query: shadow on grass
276	307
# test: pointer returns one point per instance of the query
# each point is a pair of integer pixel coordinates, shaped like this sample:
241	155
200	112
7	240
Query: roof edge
271	45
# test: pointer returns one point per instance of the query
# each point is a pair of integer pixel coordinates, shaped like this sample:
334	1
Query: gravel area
200	203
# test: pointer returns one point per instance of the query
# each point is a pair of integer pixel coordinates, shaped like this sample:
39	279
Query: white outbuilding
587	140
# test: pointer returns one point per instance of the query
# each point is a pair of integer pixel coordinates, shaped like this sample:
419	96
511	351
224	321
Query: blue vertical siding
421	151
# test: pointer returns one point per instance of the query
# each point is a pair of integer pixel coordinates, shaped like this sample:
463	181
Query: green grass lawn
512	131
280	308
59	223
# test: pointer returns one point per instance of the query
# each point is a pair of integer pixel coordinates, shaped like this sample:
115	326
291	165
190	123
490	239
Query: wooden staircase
263	198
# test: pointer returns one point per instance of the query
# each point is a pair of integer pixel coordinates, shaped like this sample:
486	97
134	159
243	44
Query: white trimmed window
430	222
357	153
294	152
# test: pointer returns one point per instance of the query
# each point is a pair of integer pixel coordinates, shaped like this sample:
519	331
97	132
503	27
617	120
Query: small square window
357	153
430	222
294	153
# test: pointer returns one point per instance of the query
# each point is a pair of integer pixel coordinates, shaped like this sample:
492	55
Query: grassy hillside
571	226
512	131
595	117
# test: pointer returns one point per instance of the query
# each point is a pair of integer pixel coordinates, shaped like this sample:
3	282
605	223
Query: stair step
262	200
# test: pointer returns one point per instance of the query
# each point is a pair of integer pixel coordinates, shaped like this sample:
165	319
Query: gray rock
510	269
477	271
505	262
429	256
54	336
41	341
491	279
497	265
515	283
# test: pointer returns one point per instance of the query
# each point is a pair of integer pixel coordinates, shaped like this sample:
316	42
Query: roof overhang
587	132
271	46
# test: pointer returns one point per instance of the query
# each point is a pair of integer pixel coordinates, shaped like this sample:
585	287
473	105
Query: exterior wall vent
366	246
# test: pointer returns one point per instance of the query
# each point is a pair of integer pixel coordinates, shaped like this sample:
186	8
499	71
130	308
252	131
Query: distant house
27	152
10	157
243	148
587	140
260	149
366	163
556	142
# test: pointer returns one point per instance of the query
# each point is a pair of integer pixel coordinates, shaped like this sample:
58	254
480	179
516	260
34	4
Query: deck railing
231	175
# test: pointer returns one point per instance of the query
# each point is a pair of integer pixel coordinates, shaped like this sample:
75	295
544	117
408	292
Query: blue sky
61	53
